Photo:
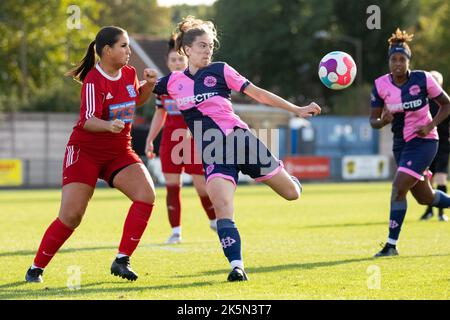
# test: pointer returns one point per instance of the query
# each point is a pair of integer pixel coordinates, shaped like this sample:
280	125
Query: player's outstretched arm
145	91
271	99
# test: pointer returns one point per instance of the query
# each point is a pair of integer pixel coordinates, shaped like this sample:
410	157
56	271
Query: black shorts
440	162
239	151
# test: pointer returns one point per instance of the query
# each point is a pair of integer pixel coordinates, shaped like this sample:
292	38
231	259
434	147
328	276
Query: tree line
277	44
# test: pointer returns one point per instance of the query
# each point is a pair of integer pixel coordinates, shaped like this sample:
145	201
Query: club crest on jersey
209	169
210	81
414	90
131	91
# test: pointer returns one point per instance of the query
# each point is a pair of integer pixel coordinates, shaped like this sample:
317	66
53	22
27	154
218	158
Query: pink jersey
205	97
107	98
408	103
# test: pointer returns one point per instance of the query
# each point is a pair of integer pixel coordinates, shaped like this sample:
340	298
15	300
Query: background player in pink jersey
173	164
227	145
439	166
100	147
401	97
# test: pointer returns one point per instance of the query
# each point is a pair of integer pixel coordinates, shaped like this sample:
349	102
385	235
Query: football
337	70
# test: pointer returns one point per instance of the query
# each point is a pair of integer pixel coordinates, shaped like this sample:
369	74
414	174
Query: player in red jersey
176	134
100	147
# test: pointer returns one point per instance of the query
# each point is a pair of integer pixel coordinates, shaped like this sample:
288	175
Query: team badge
210	81
131	91
414	90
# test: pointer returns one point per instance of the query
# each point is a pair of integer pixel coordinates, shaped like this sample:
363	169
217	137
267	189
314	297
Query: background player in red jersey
100	147
175	133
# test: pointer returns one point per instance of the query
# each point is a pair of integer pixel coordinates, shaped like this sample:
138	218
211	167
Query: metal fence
39	141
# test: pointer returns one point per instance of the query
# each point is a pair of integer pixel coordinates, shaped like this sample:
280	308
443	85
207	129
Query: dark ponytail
106	36
88	62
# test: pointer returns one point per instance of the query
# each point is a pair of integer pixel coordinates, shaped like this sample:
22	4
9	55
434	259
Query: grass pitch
319	247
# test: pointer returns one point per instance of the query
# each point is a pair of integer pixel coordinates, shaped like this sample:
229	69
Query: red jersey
107	98
174	119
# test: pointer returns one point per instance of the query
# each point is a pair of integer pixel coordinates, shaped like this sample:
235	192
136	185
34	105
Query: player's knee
72	218
425	200
398	192
293	193
147	196
222	205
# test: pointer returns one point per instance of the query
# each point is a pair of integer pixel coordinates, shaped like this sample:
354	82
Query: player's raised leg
285	185
424	194
440	179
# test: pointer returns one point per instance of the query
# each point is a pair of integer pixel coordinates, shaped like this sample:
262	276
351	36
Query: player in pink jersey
172	162
402	98
202	93
100	147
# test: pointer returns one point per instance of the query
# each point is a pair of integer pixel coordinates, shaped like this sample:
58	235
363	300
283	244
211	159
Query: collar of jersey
97	66
193	77
391	78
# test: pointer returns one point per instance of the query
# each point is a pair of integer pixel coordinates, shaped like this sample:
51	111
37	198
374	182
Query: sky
168	3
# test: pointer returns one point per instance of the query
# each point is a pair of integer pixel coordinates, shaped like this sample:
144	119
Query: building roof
147	48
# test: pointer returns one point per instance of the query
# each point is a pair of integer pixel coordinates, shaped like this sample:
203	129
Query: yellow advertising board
10	172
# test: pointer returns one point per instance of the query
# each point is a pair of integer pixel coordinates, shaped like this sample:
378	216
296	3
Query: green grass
320	247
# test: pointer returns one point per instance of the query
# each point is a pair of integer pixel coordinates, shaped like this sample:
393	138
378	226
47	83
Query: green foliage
181	11
270	42
38	46
351	101
142	16
431	44
351	18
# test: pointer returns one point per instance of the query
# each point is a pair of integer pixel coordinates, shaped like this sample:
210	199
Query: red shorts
82	164
177	153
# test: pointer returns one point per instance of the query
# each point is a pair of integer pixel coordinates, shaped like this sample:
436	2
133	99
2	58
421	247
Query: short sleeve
158	102
434	90
375	100
161	85
137	84
234	80
91	101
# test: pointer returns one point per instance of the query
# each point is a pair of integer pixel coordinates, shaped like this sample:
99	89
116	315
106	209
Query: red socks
173	202
57	233
134	226
208	206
